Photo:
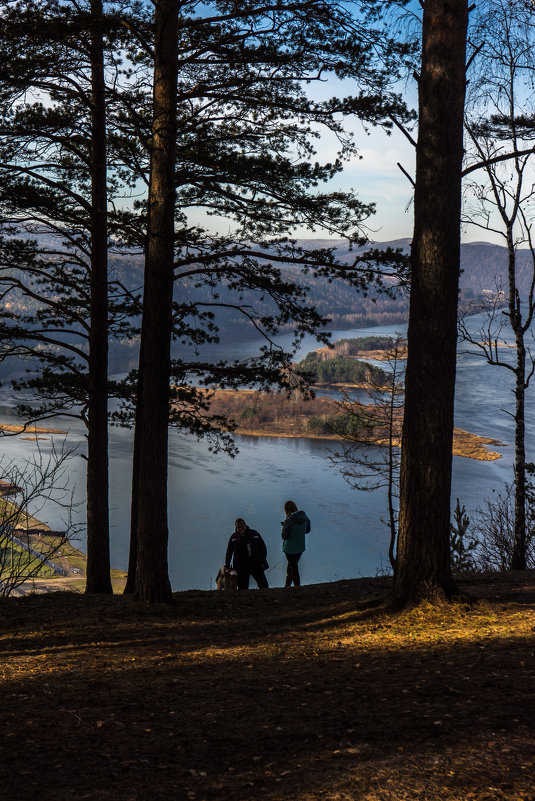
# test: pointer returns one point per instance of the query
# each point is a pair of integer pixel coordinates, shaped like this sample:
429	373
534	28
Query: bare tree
493	527
26	549
370	456
502	203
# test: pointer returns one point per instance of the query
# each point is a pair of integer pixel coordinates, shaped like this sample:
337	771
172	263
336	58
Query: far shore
383	355
344	385
282	425
71	560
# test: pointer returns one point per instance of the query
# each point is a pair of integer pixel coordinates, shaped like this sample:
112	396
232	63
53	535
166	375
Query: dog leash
273	567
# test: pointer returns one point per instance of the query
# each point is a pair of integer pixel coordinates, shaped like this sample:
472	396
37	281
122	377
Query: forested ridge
483	264
483	267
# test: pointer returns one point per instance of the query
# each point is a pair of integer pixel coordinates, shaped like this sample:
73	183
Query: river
207	492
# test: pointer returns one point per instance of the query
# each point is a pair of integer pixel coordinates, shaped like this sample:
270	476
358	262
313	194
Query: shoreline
283	426
463	441
68	562
74	564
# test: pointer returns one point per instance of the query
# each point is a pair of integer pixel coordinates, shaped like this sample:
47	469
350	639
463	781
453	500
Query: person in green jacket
293	533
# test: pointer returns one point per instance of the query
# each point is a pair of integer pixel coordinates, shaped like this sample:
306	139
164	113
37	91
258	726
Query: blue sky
376	178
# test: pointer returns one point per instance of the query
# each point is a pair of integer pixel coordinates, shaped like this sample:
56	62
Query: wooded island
278	414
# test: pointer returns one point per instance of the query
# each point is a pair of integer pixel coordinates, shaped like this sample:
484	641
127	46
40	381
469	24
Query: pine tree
55	187
423	560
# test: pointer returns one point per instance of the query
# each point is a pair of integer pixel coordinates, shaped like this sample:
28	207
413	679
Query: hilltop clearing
313	694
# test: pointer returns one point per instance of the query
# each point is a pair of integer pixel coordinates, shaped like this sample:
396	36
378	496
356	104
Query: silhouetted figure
293	533
247	551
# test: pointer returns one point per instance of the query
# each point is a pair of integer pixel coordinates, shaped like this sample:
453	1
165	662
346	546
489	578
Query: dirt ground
309	694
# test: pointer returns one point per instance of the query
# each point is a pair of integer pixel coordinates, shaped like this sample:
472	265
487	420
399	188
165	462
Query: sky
376	178
374	175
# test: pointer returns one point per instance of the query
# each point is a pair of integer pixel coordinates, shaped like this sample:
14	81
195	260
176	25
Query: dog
226	579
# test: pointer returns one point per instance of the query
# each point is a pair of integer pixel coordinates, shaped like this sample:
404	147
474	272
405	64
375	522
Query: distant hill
483	265
483	268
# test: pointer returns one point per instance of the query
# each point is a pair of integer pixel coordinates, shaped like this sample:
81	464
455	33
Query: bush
248	413
494	531
462	549
348	425
321	424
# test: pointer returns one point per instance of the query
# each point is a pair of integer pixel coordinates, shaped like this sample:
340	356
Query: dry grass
473	446
31	429
310	694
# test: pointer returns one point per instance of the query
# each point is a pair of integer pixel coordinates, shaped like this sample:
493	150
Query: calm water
207	492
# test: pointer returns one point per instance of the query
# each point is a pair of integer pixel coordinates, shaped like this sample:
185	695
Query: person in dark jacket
247	552
293	533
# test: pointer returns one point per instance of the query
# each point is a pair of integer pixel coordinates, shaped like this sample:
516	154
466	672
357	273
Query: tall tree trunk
98	548
392	523
518	559
130	586
423	560
152	580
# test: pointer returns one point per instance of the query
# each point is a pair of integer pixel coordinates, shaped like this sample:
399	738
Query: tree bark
130	586
394	394
152	580
423	559
98	549
518	558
